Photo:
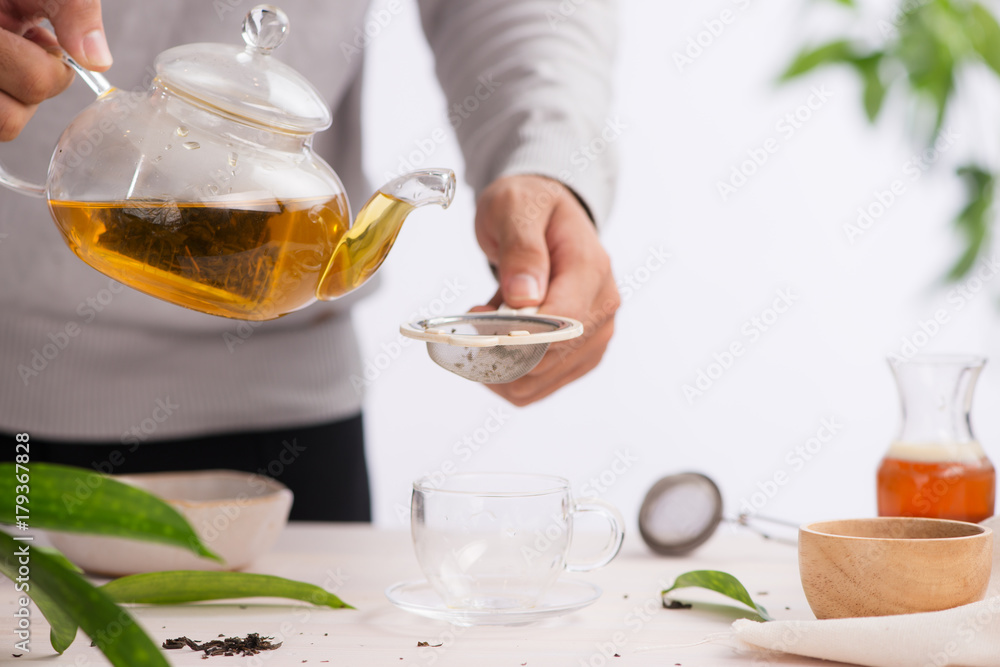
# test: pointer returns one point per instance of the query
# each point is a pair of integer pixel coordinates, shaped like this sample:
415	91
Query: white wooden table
359	562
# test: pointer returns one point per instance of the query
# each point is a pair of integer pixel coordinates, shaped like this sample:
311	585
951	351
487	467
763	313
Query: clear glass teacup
501	540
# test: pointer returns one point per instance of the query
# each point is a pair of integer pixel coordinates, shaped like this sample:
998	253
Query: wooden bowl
884	566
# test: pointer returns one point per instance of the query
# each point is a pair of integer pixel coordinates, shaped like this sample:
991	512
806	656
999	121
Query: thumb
523	262
80	31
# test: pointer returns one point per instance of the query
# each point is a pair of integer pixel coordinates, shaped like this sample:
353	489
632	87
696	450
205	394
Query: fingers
29	74
581	269
493	304
562	364
511	224
80	31
31	69
13	116
598	325
582	286
569	360
530	225
42	38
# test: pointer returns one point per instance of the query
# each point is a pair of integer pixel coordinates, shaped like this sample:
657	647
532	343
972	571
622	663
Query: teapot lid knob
247	81
264	28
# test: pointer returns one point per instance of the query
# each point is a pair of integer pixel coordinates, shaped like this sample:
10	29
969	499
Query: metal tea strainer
681	511
491	347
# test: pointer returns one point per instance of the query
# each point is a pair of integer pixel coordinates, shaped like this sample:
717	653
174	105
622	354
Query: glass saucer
565	596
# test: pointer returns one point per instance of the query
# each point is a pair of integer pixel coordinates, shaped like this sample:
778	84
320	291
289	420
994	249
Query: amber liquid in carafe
963	489
246	260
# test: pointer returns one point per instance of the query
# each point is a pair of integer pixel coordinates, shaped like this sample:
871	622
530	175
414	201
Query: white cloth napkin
968	635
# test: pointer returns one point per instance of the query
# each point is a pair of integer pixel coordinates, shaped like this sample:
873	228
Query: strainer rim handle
568	328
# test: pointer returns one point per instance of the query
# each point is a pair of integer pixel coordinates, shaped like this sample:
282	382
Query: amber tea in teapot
240	259
247	260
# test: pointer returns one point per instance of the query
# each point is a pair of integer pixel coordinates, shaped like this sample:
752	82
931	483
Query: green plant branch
973	221
933	42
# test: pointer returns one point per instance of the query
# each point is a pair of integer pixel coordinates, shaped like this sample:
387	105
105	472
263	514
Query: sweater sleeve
528	84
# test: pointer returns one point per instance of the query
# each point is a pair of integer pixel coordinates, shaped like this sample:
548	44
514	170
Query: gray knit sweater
83	358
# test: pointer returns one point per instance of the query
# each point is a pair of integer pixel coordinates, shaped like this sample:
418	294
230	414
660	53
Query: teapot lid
247	82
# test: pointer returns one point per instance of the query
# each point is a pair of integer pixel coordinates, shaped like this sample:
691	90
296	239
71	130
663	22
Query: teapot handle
99	85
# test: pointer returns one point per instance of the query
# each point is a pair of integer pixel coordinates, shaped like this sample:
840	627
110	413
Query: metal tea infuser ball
680	512
491	347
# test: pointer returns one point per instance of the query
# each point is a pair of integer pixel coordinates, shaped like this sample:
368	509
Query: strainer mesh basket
489	365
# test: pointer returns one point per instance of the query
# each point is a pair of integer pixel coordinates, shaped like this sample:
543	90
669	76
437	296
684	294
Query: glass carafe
936	467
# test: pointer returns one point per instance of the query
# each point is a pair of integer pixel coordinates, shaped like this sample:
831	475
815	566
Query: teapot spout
419	188
362	249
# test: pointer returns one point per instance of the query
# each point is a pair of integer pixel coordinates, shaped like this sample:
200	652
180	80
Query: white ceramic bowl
238	515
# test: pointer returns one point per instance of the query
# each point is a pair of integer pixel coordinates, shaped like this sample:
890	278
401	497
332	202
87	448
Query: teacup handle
614	544
99	85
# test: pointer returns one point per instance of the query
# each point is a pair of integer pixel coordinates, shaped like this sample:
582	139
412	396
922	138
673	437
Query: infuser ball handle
99	85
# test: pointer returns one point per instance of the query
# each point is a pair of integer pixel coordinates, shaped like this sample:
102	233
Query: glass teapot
204	190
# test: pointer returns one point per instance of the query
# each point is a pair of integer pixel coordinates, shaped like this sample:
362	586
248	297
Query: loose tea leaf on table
252	644
720	582
676	604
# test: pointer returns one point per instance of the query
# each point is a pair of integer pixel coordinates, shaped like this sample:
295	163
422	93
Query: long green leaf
58	555
181	586
874	89
720	582
78	500
975	217
63	627
930	48
984	33
113	629
840	51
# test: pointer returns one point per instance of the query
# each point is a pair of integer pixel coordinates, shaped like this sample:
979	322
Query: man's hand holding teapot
31	70
547	254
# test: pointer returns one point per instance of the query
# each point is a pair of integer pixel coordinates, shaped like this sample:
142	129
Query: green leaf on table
720	582
69	601
81	501
181	586
840	51
973	221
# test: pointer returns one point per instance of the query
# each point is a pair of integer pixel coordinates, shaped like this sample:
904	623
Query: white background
687	128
